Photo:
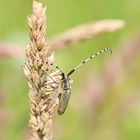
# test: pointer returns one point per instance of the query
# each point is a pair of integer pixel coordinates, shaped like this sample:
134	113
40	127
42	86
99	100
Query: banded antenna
88	59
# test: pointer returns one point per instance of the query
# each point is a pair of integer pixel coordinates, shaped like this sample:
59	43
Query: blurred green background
114	114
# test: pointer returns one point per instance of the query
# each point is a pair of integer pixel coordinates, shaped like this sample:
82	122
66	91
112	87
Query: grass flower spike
42	99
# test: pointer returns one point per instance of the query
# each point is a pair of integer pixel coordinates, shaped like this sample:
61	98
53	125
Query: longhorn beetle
65	91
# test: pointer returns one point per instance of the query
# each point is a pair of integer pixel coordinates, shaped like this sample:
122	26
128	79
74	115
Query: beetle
65	91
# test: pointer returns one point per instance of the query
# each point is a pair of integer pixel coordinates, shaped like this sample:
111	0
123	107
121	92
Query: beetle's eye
63	75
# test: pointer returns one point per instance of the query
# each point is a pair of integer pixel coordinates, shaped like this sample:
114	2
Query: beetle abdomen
63	101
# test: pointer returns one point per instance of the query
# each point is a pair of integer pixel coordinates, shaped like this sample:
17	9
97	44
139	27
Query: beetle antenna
88	59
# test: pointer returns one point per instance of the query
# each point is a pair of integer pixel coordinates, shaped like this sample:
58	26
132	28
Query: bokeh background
105	101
